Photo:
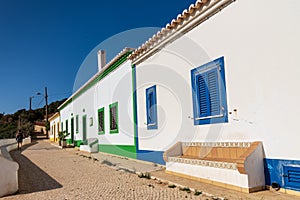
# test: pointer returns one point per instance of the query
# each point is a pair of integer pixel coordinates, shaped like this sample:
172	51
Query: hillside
9	123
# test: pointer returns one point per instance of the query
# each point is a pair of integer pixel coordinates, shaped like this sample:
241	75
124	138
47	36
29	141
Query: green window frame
101	122
113	118
77	124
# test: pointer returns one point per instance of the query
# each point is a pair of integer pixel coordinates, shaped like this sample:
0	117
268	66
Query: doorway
84	129
72	130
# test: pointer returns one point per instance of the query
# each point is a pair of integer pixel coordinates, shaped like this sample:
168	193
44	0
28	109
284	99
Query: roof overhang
197	13
116	61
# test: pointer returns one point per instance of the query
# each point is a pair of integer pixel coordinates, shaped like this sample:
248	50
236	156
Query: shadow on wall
31	177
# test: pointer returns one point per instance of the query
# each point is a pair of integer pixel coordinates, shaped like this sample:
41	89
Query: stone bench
235	165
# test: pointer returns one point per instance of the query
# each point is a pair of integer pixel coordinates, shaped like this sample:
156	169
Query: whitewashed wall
260	43
116	87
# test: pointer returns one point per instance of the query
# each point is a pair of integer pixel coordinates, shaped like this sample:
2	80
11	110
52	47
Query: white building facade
248	52
102	109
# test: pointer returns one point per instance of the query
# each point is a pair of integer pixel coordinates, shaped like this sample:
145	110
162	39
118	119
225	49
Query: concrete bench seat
228	160
235	165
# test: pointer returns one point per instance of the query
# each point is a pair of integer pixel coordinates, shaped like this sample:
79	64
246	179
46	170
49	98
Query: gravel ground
47	172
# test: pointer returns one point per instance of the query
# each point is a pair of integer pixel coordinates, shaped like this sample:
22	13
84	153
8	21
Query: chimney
101	59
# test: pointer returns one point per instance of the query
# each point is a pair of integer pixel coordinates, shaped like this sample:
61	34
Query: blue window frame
209	93
151	107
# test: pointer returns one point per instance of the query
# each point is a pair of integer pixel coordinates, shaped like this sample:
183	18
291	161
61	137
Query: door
72	130
84	129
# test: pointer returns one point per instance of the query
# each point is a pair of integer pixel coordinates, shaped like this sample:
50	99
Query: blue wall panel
151	156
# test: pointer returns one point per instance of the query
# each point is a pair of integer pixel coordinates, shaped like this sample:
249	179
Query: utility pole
46	99
30	101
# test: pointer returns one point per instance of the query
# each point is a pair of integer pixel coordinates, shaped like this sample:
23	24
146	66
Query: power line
60	94
40	102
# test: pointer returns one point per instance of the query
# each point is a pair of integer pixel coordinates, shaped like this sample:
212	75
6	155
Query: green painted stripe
78	143
96	80
121	150
134	105
69	141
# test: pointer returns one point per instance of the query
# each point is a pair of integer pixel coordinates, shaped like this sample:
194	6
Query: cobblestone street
47	172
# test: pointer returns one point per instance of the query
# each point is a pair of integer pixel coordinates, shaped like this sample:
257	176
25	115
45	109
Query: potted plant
62	138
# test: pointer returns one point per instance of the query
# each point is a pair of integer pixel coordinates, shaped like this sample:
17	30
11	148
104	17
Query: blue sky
44	42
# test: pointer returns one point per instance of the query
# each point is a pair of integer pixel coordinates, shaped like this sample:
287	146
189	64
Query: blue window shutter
214	93
203	95
209	93
151	108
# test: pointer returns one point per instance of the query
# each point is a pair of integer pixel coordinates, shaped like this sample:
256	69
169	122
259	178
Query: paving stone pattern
48	172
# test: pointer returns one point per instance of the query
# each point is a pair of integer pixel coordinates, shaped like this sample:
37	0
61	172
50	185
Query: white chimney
101	59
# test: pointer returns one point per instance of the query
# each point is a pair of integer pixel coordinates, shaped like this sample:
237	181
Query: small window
151	108
62	127
113	118
77	123
101	121
209	93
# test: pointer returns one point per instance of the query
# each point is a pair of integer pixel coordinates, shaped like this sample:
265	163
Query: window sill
114	131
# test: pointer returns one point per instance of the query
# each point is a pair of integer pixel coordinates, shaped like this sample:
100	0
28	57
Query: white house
224	73
100	112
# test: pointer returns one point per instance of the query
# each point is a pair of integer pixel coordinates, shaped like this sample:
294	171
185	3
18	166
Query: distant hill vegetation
24	119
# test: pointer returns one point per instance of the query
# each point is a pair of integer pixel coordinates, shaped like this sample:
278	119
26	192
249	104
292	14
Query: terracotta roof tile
170	27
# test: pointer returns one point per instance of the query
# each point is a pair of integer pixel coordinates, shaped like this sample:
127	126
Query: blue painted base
286	173
151	156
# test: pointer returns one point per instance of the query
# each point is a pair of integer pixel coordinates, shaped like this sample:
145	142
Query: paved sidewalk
48	172
128	164
158	172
